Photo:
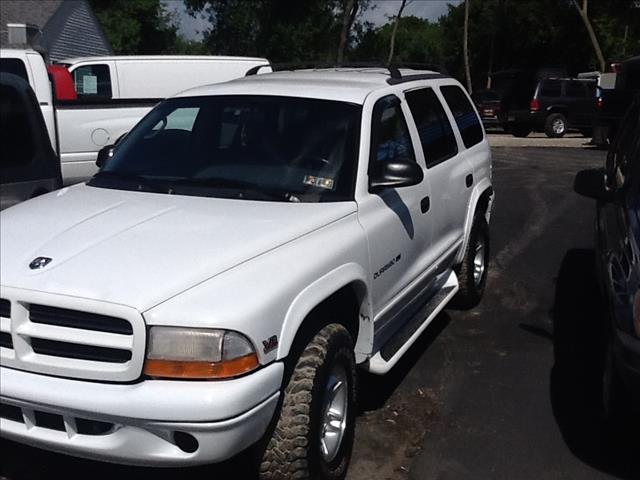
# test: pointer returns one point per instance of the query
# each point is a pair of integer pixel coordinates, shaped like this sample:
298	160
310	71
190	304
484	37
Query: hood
138	248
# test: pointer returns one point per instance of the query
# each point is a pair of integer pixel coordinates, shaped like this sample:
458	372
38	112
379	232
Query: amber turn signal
198	370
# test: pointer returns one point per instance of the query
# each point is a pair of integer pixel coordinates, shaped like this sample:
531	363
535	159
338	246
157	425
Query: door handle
425	205
469	180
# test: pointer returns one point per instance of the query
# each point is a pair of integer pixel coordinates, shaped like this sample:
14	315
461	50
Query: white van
115	92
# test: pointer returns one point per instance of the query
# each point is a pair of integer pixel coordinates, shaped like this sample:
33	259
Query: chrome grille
101	343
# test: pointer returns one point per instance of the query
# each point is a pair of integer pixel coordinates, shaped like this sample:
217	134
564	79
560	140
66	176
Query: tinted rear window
576	89
466	118
14	66
551	88
436	135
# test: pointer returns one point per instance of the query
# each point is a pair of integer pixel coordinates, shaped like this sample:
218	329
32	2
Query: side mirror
104	155
591	183
397	173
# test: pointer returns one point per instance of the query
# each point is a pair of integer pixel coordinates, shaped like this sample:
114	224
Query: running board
396	346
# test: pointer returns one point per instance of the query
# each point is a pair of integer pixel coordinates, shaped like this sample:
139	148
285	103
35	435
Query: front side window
93	81
242	147
436	135
389	132
466	118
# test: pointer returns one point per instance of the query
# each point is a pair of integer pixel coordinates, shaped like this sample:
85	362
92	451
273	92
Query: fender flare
318	291
483	187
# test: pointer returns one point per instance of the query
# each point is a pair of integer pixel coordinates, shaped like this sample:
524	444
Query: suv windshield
249	147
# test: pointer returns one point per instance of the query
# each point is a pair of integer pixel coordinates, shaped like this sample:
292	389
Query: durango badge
39	262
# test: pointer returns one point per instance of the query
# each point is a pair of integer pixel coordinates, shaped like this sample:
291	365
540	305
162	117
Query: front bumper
137	423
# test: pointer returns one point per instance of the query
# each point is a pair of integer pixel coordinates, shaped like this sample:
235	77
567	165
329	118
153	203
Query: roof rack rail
395	76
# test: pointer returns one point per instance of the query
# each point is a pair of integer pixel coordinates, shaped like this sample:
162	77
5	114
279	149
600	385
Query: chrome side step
383	360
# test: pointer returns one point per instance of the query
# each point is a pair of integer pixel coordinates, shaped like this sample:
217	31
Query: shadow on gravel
375	390
578	318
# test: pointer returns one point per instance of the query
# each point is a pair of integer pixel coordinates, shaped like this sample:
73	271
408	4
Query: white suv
241	252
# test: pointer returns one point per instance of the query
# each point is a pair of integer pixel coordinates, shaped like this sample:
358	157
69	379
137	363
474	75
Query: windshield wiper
242	186
140	180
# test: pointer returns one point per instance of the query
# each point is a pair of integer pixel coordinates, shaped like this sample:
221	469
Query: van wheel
520	131
313	437
472	272
555	126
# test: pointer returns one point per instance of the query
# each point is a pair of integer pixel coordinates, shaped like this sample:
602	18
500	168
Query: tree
136	26
467	72
283	30
594	40
392	43
348	17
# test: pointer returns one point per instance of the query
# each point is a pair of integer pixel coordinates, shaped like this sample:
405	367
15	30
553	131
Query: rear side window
576	89
551	88
436	135
93	81
14	66
464	114
390	134
17	146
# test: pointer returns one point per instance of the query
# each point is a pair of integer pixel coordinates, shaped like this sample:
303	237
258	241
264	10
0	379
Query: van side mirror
397	173
104	155
591	183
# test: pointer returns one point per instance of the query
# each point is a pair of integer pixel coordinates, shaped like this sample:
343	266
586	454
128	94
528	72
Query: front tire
472	272
313	436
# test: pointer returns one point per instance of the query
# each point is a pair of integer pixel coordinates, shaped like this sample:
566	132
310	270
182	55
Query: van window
14	66
17	145
466	117
436	135
93	81
551	88
390	135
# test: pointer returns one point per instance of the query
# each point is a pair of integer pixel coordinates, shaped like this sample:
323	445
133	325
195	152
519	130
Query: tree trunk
491	56
592	35
392	45
467	71
348	17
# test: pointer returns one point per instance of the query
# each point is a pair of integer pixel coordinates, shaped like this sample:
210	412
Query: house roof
69	27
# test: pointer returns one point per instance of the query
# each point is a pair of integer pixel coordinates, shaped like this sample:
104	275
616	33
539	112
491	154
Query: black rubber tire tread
292	452
548	125
469	295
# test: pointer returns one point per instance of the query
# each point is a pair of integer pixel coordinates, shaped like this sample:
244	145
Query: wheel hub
558	126
334	417
479	262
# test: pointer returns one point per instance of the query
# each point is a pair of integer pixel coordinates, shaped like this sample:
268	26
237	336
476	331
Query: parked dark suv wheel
555	126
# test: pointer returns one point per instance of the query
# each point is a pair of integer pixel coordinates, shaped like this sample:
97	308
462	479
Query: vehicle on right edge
616	188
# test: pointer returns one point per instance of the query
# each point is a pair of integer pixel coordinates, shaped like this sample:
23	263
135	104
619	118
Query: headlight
195	353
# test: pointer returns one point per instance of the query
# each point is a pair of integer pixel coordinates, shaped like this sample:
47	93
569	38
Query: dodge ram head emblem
40	262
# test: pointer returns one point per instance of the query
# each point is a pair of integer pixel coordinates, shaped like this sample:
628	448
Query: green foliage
283	30
417	40
136	26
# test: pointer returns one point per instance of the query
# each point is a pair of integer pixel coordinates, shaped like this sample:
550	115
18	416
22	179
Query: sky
378	14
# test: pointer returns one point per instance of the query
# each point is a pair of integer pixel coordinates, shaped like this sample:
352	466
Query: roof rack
395	76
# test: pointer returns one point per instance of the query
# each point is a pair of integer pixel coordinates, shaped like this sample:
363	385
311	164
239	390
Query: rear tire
472	272
555	126
313	437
